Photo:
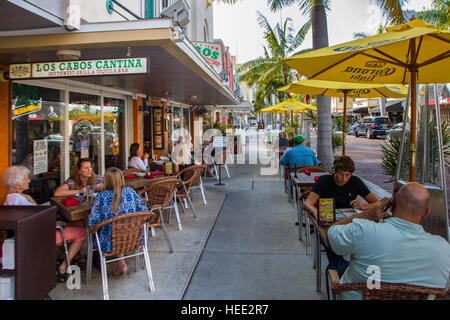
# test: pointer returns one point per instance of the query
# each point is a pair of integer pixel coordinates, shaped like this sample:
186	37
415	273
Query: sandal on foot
60	277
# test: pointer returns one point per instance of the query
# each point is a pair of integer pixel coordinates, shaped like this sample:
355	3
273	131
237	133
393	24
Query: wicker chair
189	177
158	197
387	291
173	184
197	183
126	232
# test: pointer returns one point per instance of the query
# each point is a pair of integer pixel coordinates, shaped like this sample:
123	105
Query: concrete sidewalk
253	251
242	245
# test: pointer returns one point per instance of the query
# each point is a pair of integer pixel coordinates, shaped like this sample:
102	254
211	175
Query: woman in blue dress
114	201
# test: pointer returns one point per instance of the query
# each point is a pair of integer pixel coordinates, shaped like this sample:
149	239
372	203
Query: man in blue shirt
398	248
299	155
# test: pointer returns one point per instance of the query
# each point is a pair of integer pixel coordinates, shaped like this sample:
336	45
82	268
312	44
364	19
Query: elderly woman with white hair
16	179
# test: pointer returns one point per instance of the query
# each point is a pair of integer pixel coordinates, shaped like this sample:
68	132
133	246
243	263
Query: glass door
38	137
84	129
112	115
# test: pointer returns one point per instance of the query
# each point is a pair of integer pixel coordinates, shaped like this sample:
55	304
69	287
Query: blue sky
237	26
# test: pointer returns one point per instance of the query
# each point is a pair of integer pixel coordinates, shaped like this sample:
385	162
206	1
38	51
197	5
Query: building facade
86	79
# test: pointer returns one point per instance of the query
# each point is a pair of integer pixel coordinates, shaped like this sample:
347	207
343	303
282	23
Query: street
366	153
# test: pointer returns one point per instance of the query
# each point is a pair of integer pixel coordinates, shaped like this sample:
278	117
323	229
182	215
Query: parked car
373	126
397	130
351	130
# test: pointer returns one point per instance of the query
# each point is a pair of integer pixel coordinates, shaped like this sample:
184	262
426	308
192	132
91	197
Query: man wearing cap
299	155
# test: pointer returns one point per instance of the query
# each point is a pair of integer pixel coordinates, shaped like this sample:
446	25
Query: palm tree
271	66
438	15
316	10
270	72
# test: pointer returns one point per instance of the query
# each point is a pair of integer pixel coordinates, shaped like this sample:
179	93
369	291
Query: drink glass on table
90	194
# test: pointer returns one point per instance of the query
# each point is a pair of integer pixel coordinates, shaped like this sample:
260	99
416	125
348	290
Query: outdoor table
82	210
321	232
302	180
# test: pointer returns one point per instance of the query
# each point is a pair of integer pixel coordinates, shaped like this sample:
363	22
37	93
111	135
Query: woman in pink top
16	180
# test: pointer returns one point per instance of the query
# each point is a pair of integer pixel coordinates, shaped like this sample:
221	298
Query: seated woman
135	160
16	180
82	179
114	201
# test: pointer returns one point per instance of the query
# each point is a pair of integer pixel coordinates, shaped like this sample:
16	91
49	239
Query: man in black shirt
344	188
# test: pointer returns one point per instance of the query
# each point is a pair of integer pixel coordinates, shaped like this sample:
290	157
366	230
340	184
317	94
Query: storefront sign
212	52
26	109
219	142
40	157
79	68
20	71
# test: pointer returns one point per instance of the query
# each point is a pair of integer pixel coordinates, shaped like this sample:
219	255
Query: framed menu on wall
158	128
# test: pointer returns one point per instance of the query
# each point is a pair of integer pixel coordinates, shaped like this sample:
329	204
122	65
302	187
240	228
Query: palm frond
282	38
300	36
276	5
252	63
360	35
301	51
269	35
392	10
437	17
227	1
307	5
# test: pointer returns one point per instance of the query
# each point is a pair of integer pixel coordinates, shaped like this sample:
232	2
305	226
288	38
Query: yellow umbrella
416	52
268	109
290	105
345	89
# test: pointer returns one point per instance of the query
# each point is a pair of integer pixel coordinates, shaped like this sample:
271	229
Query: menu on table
326	211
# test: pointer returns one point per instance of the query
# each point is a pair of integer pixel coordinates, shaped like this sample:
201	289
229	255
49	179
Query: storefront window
84	128
176	118
38	137
112	113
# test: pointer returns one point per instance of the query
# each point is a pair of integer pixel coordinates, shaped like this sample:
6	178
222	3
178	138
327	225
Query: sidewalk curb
199	255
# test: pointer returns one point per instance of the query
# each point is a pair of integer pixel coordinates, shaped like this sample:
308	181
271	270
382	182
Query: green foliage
292	128
438	15
390	151
336	140
269	72
311	118
338	123
219	126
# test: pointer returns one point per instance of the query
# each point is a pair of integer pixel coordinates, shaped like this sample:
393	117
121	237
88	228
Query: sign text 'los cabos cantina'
86	68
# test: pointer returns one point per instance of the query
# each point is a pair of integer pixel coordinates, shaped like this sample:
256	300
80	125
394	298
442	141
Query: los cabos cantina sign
79	68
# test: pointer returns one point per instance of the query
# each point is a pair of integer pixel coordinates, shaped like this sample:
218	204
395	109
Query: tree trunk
320	40
383	107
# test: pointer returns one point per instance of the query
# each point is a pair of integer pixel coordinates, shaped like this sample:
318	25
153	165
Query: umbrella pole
292	118
412	167
344	125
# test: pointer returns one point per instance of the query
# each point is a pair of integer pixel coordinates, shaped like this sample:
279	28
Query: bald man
398	248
